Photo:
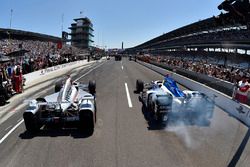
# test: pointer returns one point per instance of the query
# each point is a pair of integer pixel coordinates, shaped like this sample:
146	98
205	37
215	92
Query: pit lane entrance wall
233	108
42	73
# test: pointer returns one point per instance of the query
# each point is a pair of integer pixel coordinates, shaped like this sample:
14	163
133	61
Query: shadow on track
240	150
136	92
57	131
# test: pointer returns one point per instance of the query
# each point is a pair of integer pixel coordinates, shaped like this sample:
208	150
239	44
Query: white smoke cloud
186	117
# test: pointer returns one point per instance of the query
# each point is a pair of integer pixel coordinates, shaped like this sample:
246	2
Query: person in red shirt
17	79
242	90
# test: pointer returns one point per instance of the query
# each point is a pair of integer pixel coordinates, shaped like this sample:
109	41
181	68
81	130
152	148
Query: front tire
92	87
139	85
58	87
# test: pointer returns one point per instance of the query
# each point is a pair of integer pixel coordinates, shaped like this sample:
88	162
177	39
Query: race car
156	101
118	57
163	98
71	102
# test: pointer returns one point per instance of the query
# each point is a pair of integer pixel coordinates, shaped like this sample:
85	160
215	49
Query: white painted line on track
22	120
128	96
12	130
121	65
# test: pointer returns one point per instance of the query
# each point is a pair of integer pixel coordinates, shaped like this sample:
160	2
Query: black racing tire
139	85
92	87
58	86
86	120
40	99
31	122
2	100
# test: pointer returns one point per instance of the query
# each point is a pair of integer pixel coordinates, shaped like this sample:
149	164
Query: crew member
17	78
242	90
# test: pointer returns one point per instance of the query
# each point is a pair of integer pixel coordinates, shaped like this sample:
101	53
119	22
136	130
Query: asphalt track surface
122	136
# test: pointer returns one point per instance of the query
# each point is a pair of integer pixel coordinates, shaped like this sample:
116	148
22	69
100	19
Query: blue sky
130	21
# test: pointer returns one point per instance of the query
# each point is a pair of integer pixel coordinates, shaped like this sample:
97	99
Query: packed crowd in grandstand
229	73
37	55
35	48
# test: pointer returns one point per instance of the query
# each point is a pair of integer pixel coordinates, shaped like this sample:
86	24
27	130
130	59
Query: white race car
71	102
162	98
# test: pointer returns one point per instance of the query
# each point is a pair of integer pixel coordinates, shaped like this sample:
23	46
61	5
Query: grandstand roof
26	35
210	24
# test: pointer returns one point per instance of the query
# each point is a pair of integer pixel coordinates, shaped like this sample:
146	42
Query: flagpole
81	13
62	21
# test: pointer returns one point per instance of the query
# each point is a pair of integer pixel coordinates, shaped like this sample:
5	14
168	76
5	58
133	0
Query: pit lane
122	136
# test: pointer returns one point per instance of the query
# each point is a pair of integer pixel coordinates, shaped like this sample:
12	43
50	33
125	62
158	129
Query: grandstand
227	36
34	51
36	44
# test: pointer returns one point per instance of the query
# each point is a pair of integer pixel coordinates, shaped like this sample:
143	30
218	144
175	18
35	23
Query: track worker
17	79
243	90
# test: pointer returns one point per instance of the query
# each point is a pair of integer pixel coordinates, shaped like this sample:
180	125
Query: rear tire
86	120
31	122
2	100
92	87
139	85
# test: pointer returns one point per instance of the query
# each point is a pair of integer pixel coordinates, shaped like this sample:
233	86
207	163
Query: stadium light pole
11	12
62	21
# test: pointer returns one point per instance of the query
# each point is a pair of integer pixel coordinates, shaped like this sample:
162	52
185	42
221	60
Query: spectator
229	74
41	55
